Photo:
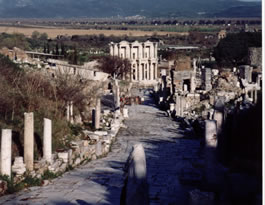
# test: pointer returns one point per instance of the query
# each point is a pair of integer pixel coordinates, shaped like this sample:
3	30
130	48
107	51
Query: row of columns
144	71
6	144
253	94
134	51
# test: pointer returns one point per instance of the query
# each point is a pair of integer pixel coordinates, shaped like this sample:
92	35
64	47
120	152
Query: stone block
125	113
19	168
99	149
85	143
77	161
64	156
101	133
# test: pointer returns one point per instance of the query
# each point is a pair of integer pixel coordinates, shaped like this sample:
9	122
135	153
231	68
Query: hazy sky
249	0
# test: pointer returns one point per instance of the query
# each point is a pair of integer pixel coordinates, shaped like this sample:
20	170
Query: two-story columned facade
143	58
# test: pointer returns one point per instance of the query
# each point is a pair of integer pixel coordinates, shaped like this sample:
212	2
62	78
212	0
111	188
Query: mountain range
124	8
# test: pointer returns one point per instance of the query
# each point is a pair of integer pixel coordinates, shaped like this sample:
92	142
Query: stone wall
93	145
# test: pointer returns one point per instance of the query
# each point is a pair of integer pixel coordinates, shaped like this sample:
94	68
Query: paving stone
168	155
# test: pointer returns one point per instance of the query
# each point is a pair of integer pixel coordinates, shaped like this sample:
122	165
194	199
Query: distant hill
114	8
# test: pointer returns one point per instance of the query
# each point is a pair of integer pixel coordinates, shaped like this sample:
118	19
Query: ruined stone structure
143	58
245	72
207	79
183	76
88	71
255	57
15	54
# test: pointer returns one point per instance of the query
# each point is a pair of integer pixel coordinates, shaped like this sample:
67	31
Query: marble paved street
169	155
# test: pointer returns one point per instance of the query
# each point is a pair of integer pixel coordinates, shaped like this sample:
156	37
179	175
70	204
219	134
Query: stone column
97	114
136	74
171	107
29	140
47	140
155	67
71	112
160	100
148	71
125	113
117	97
213	171
143	51
185	87
177	106
210	134
255	96
252	94
219	118
6	152
192	84
155	88
140	72
182	105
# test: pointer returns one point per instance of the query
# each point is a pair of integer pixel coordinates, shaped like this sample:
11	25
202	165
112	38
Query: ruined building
183	75
143	58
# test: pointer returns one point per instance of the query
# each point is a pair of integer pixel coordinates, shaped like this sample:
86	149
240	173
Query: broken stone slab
55	166
125	113
63	167
40	164
98	149
64	156
172	107
87	132
19	168
74	145
94	137
45	182
101	133
77	161
107	139
85	143
106	112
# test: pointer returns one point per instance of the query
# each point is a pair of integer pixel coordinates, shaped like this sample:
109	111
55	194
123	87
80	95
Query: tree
233	50
57	49
115	66
43	36
35	35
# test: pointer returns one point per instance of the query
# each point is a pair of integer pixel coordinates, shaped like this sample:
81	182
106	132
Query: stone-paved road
100	182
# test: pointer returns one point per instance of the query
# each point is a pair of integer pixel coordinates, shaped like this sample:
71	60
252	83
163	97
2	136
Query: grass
54	32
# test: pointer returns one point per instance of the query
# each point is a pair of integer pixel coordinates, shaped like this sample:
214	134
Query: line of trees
233	50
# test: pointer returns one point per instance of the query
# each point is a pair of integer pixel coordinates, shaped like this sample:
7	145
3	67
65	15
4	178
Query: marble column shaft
210	134
47	140
29	140
97	114
6	152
